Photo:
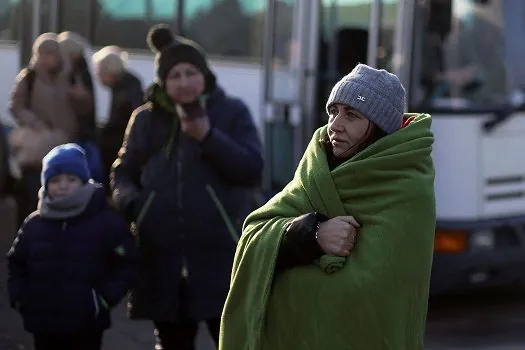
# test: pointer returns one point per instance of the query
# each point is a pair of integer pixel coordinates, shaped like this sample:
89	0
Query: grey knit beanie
377	94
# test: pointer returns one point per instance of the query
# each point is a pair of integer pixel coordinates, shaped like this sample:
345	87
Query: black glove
191	110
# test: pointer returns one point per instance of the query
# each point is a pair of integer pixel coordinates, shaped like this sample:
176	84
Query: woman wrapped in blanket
341	257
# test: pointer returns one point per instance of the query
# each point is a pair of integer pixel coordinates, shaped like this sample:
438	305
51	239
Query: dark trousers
81	341
181	335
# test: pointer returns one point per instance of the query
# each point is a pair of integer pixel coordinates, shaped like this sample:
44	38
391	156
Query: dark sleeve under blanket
299	246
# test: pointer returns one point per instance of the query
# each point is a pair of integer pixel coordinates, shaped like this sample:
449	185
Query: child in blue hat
72	260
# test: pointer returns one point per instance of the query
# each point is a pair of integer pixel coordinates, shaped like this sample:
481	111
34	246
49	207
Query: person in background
184	177
73	260
126	96
46	105
74	48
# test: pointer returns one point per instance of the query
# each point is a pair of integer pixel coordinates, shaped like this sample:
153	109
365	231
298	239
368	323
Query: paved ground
482	321
128	335
125	334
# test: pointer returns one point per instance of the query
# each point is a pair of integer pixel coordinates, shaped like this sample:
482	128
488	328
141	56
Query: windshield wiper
517	102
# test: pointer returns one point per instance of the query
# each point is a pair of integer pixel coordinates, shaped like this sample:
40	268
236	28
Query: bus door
352	32
289	59
309	46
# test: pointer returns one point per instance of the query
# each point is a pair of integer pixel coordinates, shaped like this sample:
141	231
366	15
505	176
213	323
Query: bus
460	60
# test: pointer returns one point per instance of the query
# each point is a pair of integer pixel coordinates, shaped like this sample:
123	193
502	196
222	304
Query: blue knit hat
376	93
65	159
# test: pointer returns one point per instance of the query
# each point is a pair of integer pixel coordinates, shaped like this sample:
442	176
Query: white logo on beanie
361	98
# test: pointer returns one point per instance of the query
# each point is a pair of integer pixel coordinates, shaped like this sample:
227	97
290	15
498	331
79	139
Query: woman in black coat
126	96
184	175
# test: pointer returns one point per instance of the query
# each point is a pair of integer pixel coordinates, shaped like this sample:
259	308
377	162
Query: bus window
125	23
467	66
232	28
350	55
77	16
9	12
345	26
387	23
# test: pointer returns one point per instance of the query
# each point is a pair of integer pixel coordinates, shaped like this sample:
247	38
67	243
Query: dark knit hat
376	93
171	50
65	159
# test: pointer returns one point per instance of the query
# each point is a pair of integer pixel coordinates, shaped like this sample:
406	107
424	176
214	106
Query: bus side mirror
439	17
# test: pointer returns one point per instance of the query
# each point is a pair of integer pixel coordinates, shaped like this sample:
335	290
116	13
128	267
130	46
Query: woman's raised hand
337	236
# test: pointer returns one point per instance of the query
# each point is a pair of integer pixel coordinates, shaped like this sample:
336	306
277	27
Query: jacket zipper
227	221
144	209
61	254
95	302
179	156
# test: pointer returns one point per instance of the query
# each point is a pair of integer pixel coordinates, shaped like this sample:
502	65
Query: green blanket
378	300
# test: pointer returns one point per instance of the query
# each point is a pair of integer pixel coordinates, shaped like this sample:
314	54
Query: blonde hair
46	42
72	43
111	59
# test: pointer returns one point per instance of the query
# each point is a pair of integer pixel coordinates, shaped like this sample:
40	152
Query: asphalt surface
484	320
489	319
